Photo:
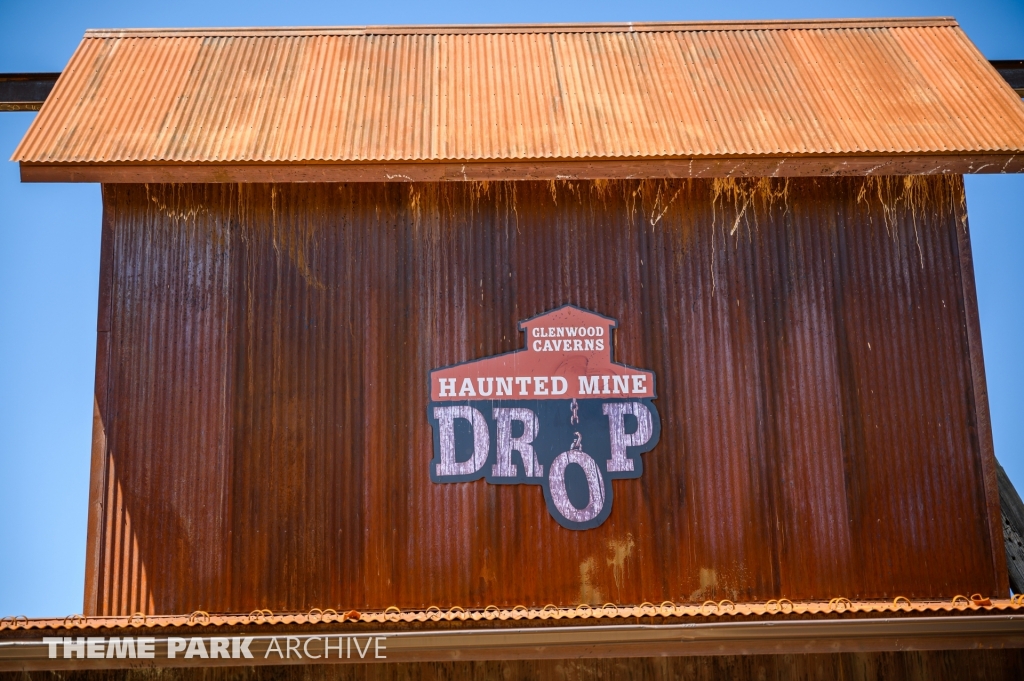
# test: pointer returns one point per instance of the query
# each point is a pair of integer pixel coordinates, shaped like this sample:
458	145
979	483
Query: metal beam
1012	71
25	91
28	91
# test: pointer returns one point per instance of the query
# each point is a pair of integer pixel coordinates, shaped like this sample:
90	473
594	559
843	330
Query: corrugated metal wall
264	407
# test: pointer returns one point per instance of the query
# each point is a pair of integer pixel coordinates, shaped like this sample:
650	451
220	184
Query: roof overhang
571	101
472	171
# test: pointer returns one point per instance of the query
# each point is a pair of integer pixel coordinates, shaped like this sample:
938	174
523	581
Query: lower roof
580	613
548	633
890	96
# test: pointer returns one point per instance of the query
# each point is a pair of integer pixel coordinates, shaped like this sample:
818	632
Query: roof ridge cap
456	29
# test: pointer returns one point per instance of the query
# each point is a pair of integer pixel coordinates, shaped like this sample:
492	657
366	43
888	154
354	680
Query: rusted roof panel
531	93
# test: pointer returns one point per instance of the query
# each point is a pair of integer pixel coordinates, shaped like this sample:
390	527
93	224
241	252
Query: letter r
504	468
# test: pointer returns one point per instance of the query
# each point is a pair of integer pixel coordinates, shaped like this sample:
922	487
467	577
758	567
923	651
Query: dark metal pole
1012	70
28	91
25	91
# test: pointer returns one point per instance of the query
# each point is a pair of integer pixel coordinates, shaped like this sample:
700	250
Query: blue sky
50	234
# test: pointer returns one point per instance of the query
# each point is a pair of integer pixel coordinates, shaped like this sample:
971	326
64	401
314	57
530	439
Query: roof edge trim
539	169
455	29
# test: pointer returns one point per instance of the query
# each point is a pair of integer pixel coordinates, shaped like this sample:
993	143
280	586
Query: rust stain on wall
708	586
620	551
589	591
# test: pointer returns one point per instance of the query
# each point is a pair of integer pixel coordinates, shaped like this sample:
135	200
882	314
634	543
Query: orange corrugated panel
769	610
525	93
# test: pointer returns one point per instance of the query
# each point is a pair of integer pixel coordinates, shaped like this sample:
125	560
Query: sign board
558	413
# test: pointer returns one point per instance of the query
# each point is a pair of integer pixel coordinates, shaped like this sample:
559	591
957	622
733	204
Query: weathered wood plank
1013	530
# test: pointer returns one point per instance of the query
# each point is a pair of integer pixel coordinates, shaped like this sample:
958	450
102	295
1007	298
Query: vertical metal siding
270	350
168	412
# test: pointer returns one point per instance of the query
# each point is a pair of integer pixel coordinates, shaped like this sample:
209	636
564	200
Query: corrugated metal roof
530	93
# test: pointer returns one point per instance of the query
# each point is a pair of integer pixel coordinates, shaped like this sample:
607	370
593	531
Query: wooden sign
558	413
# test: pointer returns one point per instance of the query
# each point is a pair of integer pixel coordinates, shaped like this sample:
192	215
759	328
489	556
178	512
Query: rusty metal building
300	224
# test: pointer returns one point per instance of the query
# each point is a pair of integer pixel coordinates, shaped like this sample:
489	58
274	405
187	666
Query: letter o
595	483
